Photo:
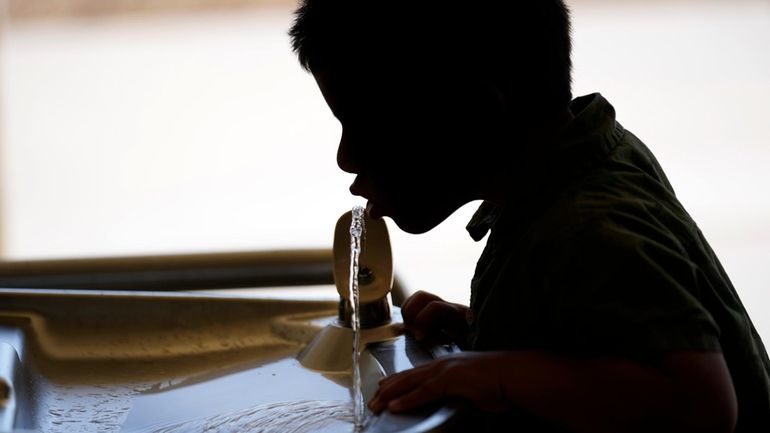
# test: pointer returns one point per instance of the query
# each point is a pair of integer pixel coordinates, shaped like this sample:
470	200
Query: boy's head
431	94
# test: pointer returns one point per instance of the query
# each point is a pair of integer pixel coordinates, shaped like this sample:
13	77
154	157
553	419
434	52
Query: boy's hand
426	314
468	375
685	391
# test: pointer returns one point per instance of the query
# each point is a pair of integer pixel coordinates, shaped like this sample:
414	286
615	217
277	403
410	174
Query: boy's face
414	144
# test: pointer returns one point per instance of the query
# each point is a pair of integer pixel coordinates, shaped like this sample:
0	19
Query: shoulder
614	227
620	204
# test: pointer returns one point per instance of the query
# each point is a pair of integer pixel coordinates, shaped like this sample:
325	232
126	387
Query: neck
543	133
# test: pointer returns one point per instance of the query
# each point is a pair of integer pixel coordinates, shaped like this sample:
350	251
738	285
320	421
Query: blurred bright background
158	126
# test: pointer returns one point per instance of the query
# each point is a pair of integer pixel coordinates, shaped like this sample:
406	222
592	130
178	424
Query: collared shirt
593	255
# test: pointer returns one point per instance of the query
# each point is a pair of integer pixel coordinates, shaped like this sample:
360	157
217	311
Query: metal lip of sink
167	358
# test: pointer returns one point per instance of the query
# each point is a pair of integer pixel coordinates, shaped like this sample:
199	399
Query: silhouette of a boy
597	305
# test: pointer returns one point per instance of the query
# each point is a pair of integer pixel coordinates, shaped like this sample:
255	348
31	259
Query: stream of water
356	235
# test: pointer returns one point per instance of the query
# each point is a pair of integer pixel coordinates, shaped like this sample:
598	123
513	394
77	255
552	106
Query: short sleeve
618	290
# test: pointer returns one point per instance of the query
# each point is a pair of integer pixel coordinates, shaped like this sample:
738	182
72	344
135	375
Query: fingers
415	303
471	376
430	391
399	384
432	317
438	316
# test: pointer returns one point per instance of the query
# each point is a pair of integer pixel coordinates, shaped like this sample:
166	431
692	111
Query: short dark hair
524	46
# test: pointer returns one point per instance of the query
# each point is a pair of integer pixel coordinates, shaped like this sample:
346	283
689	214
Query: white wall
200	132
692	80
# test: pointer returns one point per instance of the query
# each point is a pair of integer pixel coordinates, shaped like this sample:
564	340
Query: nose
347	158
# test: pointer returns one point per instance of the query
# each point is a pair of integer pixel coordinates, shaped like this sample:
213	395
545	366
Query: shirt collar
483	220
587	139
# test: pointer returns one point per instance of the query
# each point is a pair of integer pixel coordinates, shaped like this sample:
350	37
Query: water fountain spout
375	271
330	349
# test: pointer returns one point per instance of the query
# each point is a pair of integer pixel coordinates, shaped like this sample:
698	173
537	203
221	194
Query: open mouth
374	211
359	188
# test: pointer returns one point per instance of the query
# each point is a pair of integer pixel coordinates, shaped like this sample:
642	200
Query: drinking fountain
144	361
330	349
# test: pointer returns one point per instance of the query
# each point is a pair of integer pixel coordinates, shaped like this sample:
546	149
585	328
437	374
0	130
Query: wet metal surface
119	362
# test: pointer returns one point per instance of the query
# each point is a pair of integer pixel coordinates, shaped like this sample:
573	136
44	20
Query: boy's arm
688	392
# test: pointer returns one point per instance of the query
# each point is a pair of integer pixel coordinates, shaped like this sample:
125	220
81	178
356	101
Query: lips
360	188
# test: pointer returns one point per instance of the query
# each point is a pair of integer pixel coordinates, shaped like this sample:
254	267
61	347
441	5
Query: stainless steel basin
86	361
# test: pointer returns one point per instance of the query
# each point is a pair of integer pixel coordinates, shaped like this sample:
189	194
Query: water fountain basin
149	362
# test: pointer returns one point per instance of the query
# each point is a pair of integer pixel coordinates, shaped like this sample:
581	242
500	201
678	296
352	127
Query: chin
416	226
414	229
418	217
